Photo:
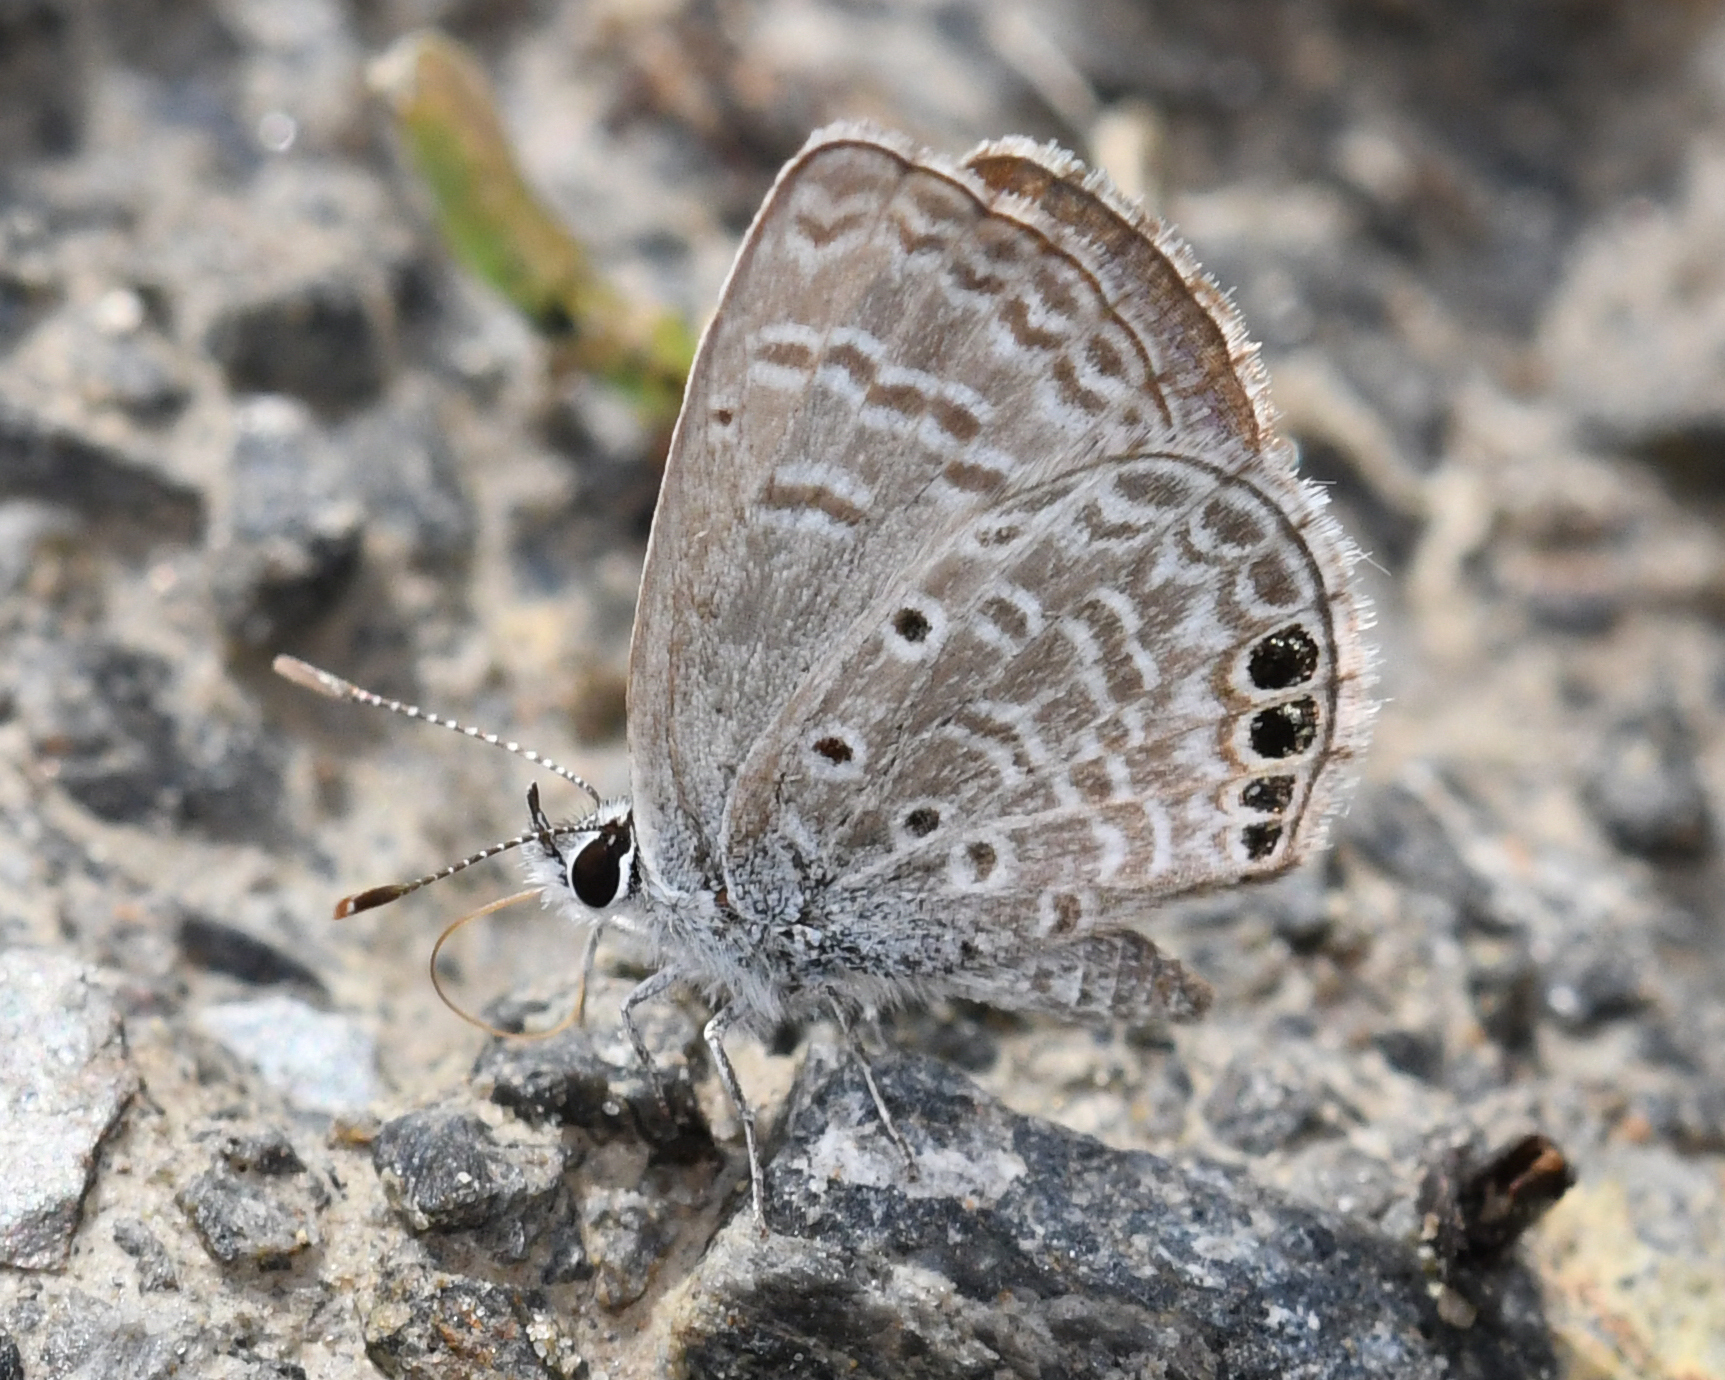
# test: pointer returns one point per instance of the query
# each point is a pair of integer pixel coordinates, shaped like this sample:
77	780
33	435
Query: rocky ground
248	405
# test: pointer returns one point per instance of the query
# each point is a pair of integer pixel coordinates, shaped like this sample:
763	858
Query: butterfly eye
596	871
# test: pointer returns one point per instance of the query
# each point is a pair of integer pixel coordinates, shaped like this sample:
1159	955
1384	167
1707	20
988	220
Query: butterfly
984	611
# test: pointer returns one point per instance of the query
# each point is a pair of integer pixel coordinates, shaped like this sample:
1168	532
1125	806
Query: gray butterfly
983	611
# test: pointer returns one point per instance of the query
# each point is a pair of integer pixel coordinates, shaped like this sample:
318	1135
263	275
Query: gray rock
1258	1106
1023	1249
83	1338
64	465
155	1267
592	1080
444	1170
319	1060
1645	788
290	533
108	718
44	78
64	1080
423	1324
627	1234
290	288
268	1152
249	1218
11	1363
221	948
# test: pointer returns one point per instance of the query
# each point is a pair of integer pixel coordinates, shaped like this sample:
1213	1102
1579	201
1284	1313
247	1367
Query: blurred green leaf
497	226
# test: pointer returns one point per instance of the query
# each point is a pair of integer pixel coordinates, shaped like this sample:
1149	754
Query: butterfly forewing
827	438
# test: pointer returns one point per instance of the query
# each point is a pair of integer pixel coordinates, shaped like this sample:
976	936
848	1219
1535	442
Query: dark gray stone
1257	1108
155	1267
444	1170
60	464
268	1152
423	1324
409	479
246	1218
291	529
44	76
1022	1249
304	304
1398	832
64	1081
109	720
627	1234
220	948
592	1080
1592	982
11	1363
1646	790
85	1339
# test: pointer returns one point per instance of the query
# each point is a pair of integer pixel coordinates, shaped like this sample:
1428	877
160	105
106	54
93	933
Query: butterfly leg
646	991
588	955
857	1052
715	1037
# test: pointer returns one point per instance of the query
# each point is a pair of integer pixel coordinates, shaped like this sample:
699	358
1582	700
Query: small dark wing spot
922	821
835	750
983	858
1283	659
1271	794
1285	729
1261	839
723	415
911	625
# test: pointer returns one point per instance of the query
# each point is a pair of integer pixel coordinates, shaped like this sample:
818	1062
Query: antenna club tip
369	900
309	677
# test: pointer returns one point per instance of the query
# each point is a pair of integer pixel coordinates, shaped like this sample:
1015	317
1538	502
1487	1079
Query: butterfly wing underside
992	587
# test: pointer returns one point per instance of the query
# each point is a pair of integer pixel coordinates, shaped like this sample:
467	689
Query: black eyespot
1283	659
1285	729
910	625
983	858
722	415
1261	840
596	872
922	821
1271	794
835	750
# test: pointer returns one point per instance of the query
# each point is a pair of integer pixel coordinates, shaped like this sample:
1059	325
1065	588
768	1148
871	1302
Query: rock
291	286
268	1152
1646	791
290	532
11	1363
155	1268
409	478
73	468
64	1080
44	78
83	1337
247	1215
220	948
422	1324
592	1080
111	723
318	1060
1025	1249
444	1170
1592	982
1258	1107
627	1234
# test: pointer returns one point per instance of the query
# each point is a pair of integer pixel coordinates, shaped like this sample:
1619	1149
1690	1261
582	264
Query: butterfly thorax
771	967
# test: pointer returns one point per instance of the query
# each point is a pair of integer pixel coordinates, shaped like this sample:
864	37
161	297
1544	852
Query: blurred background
354	331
